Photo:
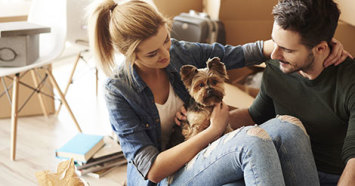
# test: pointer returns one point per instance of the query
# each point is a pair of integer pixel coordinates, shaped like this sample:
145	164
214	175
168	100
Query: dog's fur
206	87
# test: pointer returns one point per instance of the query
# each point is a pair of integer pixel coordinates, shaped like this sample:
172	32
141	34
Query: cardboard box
245	21
32	107
345	33
238	78
19	50
19	43
248	21
237	98
347	11
172	8
239	9
239	32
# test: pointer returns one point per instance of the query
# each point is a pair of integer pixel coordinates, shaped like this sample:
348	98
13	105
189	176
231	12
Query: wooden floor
38	137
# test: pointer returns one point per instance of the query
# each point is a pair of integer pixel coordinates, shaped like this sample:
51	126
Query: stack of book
93	155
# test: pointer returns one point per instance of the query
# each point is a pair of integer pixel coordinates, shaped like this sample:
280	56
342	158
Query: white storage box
19	43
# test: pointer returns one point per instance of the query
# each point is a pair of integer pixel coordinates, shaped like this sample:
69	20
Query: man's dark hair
314	20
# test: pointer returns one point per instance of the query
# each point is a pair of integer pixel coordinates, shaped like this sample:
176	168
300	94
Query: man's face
293	55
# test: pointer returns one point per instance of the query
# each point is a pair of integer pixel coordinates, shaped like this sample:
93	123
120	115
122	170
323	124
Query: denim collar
140	85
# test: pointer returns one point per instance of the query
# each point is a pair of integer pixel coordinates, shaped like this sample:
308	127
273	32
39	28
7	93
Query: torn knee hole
258	132
292	120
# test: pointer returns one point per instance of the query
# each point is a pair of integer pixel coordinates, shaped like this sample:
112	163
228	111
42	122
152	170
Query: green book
81	147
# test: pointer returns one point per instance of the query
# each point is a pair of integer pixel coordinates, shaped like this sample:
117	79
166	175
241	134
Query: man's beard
294	68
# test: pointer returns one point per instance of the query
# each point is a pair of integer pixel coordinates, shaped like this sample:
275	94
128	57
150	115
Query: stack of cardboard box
244	21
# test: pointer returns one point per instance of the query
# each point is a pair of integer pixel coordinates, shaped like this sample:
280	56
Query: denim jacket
132	111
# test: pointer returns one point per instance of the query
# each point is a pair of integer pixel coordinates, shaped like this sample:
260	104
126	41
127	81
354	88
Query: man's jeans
328	179
275	153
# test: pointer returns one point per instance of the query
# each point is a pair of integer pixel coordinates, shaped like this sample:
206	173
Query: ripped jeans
275	153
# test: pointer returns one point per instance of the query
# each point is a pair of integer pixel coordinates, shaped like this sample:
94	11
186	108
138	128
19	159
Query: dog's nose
209	91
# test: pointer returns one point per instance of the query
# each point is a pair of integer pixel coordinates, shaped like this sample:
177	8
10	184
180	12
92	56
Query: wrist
214	132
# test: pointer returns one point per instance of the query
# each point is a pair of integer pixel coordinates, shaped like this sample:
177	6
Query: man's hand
337	55
180	116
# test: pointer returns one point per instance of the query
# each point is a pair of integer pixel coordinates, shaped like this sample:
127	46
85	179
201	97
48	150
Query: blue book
81	147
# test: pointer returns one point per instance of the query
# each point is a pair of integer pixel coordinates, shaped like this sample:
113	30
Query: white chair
77	36
51	13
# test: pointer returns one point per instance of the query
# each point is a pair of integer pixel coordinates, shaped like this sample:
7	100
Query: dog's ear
187	72
218	67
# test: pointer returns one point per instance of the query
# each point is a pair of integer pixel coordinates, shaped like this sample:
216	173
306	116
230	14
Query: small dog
206	87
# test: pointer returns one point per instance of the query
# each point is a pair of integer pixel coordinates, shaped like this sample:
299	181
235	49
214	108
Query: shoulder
184	45
345	73
347	68
119	83
183	52
272	64
272	68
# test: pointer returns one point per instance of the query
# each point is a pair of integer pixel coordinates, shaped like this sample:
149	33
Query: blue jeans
326	179
275	153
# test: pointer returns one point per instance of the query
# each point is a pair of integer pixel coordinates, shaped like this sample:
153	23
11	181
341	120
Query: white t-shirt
167	113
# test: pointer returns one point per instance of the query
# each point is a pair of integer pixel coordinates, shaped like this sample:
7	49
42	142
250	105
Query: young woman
144	92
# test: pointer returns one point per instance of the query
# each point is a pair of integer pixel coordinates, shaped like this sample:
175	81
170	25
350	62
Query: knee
257	140
291	120
258	132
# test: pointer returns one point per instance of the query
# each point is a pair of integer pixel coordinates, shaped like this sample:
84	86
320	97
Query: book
100	173
98	167
111	147
81	147
100	161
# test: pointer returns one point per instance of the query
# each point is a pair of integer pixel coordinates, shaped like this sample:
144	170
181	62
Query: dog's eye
202	84
214	82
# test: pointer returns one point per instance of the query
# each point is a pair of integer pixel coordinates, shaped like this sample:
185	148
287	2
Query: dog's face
205	85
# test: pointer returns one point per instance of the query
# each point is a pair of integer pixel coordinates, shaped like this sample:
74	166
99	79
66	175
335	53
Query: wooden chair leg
70	81
62	97
40	97
14	116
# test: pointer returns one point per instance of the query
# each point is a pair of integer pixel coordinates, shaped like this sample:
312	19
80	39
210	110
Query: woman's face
153	53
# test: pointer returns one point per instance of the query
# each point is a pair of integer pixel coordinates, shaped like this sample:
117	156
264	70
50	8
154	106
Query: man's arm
348	175
239	118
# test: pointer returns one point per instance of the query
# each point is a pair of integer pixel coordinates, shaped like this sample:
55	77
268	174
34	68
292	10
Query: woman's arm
197	54
171	160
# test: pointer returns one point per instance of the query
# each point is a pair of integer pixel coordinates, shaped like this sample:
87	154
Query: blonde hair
121	27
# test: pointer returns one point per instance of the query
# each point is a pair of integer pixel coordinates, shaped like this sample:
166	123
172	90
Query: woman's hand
337	55
180	116
219	118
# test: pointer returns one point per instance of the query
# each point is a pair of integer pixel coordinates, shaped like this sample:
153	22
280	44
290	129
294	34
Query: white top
167	113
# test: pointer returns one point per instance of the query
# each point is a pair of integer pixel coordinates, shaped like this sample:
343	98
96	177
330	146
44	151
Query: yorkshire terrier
206	87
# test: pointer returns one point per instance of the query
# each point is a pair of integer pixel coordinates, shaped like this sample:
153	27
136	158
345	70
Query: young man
296	83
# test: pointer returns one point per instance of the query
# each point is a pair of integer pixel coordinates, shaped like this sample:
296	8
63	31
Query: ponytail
99	35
